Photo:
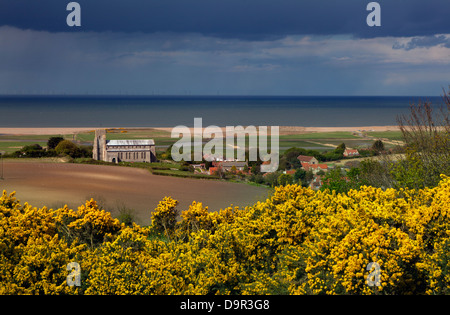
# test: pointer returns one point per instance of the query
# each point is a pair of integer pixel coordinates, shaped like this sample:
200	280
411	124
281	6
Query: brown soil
56	184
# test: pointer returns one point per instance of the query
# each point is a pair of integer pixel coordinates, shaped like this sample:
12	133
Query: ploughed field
118	188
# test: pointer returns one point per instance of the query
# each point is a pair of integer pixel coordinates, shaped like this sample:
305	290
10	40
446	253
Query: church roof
130	142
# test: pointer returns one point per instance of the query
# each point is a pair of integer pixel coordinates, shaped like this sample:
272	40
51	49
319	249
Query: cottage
315	168
227	166
116	151
307	159
289	172
351	153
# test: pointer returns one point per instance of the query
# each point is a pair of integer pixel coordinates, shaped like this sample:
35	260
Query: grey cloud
424	42
109	62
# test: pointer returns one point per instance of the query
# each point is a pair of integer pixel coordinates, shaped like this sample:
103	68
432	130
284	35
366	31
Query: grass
40	160
302	144
359	143
184	174
12	146
391	135
322	135
156	168
32	137
164	165
163	138
159	168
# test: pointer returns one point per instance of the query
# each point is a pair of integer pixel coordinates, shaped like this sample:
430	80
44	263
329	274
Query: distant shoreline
283	129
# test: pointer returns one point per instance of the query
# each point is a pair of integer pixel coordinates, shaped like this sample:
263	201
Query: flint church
116	151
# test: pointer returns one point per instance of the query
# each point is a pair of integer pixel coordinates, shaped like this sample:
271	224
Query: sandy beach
283	130
43	131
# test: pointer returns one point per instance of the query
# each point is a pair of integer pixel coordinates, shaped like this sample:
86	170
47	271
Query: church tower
99	150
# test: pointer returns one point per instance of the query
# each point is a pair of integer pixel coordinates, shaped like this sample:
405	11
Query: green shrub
69	148
53	142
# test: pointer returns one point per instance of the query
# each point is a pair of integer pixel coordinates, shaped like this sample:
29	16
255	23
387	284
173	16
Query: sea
170	111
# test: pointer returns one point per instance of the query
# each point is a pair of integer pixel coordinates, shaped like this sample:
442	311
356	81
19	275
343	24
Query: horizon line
205	95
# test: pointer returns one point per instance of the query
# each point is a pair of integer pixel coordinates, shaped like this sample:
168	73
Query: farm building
315	168
350	153
307	159
228	166
116	151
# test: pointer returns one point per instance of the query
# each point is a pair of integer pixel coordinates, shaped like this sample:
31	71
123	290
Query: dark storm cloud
245	19
424	42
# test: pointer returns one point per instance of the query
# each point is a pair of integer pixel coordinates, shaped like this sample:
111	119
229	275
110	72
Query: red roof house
350	153
307	159
315	167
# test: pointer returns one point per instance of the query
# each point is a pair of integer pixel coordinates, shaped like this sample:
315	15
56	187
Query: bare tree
427	140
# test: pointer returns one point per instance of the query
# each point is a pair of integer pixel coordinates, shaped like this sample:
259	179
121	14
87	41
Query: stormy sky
227	47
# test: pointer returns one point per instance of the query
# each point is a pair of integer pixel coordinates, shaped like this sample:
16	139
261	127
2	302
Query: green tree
340	148
321	172
303	177
342	181
34	150
255	169
308	178
271	179
376	173
299	175
86	150
289	160
53	142
335	180
257	178
409	173
68	148
285	179
378	146
167	155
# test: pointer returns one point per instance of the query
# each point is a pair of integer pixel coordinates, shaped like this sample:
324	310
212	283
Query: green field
30	138
12	146
357	143
391	135
315	141
322	135
184	174
302	144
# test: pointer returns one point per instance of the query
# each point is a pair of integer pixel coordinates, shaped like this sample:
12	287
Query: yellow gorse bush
298	241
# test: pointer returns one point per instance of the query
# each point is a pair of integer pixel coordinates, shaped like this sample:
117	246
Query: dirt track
56	184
